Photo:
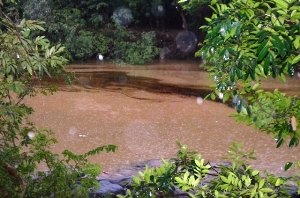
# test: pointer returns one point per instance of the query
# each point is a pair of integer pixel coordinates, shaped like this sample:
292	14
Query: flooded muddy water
145	110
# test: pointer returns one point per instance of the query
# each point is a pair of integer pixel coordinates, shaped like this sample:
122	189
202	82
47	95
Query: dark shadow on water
119	80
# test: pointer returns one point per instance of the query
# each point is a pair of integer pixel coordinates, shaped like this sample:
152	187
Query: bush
132	50
191	174
85	44
64	23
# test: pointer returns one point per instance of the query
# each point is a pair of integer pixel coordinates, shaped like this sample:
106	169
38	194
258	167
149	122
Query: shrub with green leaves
132	50
248	41
64	23
85	44
26	59
192	175
185	172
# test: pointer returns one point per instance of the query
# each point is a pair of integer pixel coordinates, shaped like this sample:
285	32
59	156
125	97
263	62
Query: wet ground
144	110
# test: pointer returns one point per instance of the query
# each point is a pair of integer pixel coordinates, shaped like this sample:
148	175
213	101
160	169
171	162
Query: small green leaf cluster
248	41
191	174
192	6
274	112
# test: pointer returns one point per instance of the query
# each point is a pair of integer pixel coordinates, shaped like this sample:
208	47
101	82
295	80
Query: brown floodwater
144	110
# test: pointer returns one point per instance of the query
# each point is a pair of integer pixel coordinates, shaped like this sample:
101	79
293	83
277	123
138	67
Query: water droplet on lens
221	95
199	100
216	79
31	135
226	55
235	99
72	131
223	31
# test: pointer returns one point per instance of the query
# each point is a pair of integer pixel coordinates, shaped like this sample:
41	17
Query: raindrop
31	135
223	31
83	136
229	88
186	41
122	16
298	74
72	131
212	50
160	8
18	56
216	79
221	95
37	9
235	99
202	54
226	55
199	100
100	57
239	102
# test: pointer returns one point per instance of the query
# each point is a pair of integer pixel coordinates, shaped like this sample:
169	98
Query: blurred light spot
223	31
100	57
72	131
31	135
226	56
221	95
199	100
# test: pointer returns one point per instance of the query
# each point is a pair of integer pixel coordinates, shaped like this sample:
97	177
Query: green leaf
288	165
266	190
263	53
279	182
297	42
267	65
279	142
282	4
254	173
261	183
296	59
224	179
294	141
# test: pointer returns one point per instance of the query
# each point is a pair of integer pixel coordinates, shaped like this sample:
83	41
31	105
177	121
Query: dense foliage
25	154
130	49
86	28
248	41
